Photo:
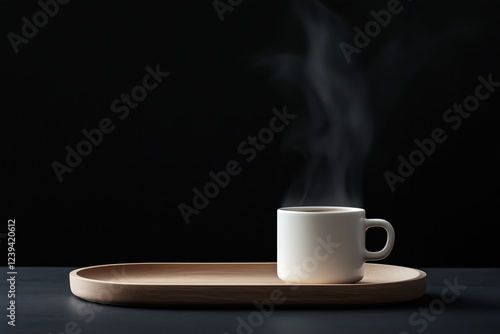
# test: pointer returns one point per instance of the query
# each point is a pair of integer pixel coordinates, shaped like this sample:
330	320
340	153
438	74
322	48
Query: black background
121	203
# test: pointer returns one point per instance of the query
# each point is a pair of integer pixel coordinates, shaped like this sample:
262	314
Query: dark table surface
458	300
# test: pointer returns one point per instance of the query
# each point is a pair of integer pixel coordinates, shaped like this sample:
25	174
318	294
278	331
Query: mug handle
384	252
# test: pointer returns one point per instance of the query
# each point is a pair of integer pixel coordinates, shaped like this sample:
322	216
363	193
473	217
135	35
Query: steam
332	138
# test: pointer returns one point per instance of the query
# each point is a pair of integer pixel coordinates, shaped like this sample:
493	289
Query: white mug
326	244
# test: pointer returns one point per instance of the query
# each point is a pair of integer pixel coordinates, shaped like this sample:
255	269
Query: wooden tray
195	284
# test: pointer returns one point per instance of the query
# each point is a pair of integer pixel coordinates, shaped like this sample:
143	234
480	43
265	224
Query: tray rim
74	275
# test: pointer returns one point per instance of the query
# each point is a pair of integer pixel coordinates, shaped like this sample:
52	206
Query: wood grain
170	284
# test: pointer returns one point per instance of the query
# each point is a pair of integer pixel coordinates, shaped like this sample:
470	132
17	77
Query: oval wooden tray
170	284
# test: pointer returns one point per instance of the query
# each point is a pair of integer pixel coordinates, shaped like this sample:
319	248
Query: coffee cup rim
309	209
